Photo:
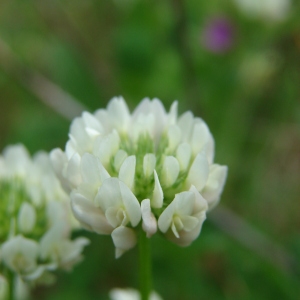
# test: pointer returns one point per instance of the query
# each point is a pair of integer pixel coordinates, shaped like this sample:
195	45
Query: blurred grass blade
45	90
253	239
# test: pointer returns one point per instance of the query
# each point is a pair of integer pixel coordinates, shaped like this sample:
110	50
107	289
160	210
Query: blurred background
235	63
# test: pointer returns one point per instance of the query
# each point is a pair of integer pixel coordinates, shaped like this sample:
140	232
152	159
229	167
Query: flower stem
11	283
144	266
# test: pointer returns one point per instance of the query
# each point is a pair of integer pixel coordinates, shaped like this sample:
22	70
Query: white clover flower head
20	254
269	10
151	168
36	219
130	294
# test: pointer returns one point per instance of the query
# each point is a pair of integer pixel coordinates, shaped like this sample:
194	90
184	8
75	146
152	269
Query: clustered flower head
149	169
36	220
275	10
130	294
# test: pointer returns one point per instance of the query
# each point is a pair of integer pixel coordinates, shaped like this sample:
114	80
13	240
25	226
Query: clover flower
130	294
36	221
269	10
149	168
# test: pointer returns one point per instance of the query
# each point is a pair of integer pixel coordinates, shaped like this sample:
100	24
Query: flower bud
26	218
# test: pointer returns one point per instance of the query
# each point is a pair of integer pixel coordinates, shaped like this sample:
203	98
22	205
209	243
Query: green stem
145	266
11	284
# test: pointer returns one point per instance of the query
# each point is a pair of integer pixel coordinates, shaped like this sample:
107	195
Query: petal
79	136
203	139
130	294
58	160
189	222
154	296
29	248
17	159
124	294
92	126
111	216
215	184
178	222
115	193
198	172
210	149
184	203
106	146
174	137
131	204
149	221
3	172
170	170
157	196
120	156
142	124
41	161
186	122
174	230
200	136
70	148
81	242
144	107
183	155
158	110
124	238
109	194
186	237
149	163
190	231
92	171
200	202
56	211
149	116
127	171
70	251
26	217
104	118
72	172
50	239
165	219
87	190
88	215
118	113
172	117
20	246
33	276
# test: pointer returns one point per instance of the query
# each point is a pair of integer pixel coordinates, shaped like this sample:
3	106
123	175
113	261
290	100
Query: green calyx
144	185
13	194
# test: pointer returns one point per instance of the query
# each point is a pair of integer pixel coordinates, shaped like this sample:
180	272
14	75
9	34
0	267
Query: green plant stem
11	284
145	273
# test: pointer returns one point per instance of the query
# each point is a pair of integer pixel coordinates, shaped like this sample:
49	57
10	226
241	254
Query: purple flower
218	35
